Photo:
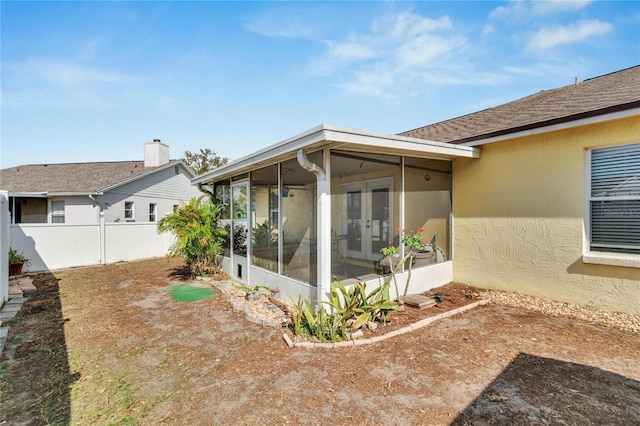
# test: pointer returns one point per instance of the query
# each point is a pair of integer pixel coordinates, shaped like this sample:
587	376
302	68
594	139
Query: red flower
421	230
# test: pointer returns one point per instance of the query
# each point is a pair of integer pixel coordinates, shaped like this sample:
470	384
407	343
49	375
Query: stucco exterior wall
519	218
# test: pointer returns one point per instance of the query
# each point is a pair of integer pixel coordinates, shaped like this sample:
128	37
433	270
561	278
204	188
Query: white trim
560	126
593	257
323	135
586	236
366	187
612	259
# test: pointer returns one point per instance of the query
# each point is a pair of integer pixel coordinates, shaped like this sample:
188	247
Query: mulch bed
451	296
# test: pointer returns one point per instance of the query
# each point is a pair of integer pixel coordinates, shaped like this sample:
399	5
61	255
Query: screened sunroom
324	203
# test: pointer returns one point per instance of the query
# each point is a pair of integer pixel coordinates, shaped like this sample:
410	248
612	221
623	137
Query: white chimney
155	153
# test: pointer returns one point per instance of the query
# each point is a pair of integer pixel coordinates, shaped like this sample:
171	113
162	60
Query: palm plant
199	238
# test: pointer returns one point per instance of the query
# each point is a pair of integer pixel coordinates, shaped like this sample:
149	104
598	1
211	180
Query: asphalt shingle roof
71	177
616	91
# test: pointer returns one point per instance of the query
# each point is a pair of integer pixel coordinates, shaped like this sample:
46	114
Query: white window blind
57	212
128	210
615	199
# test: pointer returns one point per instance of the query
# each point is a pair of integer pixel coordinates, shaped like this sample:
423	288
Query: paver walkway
19	287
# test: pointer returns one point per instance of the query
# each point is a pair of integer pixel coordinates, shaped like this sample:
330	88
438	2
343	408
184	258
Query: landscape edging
415	326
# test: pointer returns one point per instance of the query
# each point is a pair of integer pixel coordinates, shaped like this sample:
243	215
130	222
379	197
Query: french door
367	217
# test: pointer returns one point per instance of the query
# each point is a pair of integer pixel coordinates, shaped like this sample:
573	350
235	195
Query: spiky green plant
199	237
350	308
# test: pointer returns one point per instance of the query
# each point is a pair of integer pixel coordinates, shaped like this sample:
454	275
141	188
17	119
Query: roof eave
334	136
590	117
150	172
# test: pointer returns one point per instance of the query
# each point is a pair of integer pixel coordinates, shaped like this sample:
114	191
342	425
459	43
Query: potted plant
16	261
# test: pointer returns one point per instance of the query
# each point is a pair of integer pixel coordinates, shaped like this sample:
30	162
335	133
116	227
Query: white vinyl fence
58	246
4	247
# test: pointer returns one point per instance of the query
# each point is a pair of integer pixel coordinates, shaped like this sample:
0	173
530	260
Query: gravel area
626	322
260	311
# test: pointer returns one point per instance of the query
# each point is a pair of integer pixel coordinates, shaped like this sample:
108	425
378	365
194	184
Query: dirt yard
107	345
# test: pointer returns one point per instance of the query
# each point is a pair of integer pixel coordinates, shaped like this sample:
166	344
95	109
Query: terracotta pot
15	269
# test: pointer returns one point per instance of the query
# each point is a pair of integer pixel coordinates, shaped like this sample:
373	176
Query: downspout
323	223
207	192
310	167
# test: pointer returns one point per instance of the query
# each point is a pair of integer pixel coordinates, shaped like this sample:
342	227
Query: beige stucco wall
519	213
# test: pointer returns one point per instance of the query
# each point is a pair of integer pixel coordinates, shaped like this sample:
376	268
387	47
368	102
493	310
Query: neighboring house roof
84	178
610	93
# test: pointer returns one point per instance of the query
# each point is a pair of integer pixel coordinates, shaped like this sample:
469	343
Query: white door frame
239	263
366	188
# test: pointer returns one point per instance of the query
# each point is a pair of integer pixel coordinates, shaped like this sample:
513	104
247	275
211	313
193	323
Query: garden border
415	326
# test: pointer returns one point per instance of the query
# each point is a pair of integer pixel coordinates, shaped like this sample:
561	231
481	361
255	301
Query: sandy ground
134	354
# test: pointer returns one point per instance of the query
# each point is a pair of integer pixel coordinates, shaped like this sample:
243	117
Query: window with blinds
615	199
57	212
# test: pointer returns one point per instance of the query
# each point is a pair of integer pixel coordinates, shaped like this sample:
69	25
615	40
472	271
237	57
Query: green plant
248	289
296	320
263	235
411	240
252	293
16	258
199	238
356	306
351	308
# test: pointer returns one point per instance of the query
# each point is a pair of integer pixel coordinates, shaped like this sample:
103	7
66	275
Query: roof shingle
616	91
71	177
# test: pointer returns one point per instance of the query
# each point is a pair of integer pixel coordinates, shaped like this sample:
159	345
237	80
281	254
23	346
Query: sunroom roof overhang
328	136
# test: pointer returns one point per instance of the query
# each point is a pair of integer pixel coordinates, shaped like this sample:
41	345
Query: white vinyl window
614	199
128	210
152	212
57	212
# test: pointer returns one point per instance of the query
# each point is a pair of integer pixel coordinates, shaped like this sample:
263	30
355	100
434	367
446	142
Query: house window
128	210
152	212
57	212
614	199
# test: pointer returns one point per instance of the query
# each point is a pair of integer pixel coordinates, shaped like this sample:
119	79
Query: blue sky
93	81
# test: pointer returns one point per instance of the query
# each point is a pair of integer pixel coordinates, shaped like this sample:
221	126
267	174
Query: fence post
103	240
5	236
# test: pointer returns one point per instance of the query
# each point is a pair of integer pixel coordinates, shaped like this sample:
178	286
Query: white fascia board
292	144
28	194
400	144
135	178
71	194
560	126
341	136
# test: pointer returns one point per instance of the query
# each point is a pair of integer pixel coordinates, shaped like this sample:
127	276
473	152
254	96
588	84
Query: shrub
199	237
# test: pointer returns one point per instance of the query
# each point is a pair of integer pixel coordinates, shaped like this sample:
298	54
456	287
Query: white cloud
47	82
408	25
515	11
289	29
521	10
547	38
487	30
71	74
550	7
350	50
398	50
